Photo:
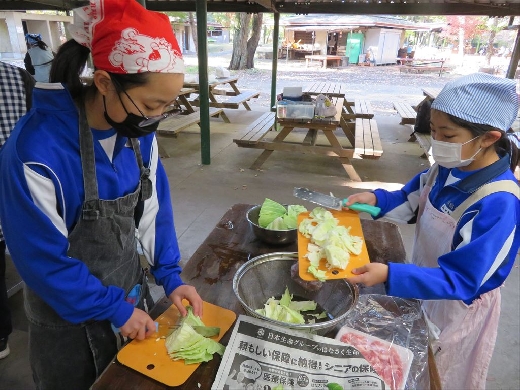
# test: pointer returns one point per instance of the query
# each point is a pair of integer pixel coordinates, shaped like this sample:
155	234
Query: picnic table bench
367	143
357	108
257	130
406	111
218	87
171	126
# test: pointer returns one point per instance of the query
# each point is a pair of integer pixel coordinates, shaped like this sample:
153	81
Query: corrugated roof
355	7
333	21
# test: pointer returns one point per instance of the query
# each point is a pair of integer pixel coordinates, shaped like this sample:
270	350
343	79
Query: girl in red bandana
82	185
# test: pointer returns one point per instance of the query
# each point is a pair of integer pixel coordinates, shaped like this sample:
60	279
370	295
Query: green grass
192	69
214	47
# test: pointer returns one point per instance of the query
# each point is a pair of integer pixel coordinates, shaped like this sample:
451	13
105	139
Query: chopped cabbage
291	218
307	227
274	216
321	214
328	240
314	254
285	309
191	319
269	211
186	344
318	274
336	257
278	224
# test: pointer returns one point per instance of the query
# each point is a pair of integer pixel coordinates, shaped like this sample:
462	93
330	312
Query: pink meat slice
384	359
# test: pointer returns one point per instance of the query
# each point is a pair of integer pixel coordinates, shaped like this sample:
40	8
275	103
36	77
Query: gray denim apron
69	356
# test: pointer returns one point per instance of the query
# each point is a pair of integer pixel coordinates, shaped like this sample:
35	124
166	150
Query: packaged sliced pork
391	362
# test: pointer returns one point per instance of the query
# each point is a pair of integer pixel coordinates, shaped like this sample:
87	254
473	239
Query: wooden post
202	53
276	33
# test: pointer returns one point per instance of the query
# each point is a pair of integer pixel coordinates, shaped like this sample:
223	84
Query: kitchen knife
332	202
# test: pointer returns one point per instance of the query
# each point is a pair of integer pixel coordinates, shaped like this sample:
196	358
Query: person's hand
361	197
370	274
190	293
138	326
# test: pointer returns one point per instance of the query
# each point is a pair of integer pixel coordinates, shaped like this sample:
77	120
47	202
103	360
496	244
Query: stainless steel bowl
268	275
272	237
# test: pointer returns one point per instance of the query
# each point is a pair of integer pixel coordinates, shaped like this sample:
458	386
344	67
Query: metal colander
268	275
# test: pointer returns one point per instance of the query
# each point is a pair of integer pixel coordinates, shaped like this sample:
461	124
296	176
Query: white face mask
449	154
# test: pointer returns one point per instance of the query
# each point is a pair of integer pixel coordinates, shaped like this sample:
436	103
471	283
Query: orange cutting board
149	356
346	218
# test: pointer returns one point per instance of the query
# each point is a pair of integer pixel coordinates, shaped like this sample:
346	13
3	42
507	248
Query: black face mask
130	126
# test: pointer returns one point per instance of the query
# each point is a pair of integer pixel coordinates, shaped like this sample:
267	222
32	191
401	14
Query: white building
15	24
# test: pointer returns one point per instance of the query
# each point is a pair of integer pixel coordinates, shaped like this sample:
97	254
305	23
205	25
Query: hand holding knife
332	202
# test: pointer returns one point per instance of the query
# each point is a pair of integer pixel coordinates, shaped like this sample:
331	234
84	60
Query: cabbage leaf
269	211
274	216
186	344
285	309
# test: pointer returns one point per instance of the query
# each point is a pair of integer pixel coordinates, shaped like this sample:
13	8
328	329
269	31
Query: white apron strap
487	189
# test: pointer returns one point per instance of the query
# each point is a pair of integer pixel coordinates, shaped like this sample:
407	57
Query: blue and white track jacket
41	195
484	245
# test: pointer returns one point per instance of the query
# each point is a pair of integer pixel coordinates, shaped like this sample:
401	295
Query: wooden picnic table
226	86
191	115
353	107
308	143
182	99
360	130
211	269
324	59
420	66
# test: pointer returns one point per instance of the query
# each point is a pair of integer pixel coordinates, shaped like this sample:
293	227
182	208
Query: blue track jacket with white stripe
41	195
484	245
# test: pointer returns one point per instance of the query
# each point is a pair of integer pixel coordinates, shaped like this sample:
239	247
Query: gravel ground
380	84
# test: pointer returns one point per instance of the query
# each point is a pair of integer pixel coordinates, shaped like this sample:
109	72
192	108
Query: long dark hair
42	45
503	143
69	63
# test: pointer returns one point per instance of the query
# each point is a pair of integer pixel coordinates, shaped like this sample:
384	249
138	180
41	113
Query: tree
463	29
244	49
495	25
252	43
193	28
239	55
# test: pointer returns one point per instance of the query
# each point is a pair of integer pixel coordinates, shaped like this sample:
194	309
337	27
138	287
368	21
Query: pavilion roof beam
36	5
370	8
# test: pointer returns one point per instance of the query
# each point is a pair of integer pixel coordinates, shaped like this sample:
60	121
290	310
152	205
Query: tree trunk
491	41
461	45
239	56
193	28
252	43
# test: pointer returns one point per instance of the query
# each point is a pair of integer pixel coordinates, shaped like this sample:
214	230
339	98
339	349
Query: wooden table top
187	91
218	81
211	270
431	92
326	88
